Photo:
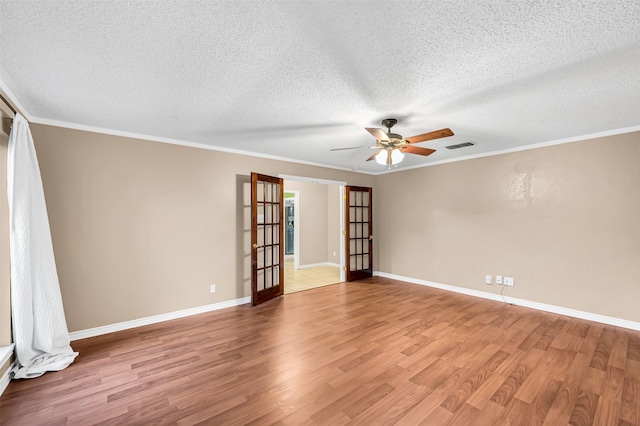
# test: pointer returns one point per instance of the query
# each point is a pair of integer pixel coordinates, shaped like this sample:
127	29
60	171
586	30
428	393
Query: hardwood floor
372	352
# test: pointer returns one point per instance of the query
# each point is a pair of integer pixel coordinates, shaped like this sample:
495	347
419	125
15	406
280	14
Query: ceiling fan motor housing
394	136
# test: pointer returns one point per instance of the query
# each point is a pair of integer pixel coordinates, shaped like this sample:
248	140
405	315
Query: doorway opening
291	232
314	241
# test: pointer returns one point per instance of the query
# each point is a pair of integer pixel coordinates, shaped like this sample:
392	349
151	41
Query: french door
359	232
267	242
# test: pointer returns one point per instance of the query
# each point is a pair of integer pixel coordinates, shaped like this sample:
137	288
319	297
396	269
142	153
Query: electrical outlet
334	253
488	279
508	281
499	279
212	288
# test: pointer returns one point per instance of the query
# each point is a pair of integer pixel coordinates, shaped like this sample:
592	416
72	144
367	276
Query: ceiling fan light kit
389	157
392	146
396	156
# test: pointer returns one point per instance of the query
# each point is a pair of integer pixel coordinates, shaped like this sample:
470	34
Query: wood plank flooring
374	352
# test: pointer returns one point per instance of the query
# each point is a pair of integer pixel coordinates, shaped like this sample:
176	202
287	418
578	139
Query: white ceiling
295	78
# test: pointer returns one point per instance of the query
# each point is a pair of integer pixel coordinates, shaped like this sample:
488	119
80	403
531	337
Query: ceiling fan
391	147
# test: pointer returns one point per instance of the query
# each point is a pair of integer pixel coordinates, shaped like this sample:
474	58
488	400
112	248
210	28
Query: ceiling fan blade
436	134
417	150
351	147
373	157
379	134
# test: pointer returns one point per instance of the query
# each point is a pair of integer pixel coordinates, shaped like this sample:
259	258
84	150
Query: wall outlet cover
212	289
498	279
508	281
488	279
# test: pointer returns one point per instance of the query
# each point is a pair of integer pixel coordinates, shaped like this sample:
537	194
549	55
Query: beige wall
334	227
312	218
564	221
143	228
319	213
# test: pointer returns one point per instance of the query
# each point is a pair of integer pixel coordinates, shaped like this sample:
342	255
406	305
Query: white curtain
39	327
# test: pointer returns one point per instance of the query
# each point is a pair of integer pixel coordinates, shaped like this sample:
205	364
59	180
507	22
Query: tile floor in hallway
306	278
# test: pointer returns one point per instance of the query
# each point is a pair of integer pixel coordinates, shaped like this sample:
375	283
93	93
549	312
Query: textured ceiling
294	79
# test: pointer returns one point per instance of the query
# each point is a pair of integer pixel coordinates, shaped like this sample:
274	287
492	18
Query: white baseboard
97	331
5	355
105	329
313	265
618	322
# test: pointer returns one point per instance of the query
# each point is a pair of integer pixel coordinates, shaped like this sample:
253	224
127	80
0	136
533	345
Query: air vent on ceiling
460	145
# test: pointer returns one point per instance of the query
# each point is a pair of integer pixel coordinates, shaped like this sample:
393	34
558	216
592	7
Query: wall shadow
243	235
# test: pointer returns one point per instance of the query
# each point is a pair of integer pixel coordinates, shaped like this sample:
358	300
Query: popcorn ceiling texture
296	78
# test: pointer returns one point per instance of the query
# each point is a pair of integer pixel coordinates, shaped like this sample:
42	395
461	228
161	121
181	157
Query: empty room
319	212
